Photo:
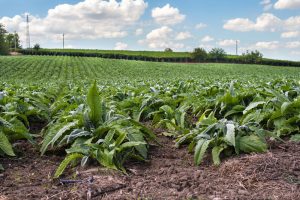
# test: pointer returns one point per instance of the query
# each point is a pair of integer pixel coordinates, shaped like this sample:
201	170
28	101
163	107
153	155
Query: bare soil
169	174
15	53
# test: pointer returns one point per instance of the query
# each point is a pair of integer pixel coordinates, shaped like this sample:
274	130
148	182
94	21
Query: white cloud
207	47
183	35
287	4
227	43
265	22
89	19
207	38
69	46
120	46
161	38
139	31
290	34
296	53
167	15
293	45
292	23
200	26
239	24
160	33
267	45
267	4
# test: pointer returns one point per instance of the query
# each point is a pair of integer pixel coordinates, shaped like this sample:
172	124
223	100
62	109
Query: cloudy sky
270	26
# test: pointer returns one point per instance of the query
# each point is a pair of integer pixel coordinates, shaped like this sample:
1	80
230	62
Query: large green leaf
106	158
142	148
63	165
216	154
295	138
253	105
95	104
230	134
5	145
200	150
131	144
55	133
252	143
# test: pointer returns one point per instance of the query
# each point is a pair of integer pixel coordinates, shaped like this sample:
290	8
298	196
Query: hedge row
229	59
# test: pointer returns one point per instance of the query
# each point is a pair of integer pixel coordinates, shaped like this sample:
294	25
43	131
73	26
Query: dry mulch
170	174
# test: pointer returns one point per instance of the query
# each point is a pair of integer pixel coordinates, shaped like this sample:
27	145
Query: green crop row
34	69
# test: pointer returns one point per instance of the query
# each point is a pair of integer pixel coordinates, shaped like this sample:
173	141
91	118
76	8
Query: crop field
72	125
45	69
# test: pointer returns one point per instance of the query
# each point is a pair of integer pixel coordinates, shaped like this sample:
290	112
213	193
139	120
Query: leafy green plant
11	130
97	132
222	136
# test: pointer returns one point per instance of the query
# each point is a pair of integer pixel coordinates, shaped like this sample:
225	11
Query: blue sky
271	26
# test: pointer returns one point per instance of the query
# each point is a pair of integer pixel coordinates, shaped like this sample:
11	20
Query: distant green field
157	56
28	69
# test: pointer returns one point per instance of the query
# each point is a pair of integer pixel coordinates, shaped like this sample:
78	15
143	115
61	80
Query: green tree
252	57
168	50
13	40
217	54
199	54
37	47
4	49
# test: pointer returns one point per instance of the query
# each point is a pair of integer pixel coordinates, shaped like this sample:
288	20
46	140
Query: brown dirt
170	174
15	53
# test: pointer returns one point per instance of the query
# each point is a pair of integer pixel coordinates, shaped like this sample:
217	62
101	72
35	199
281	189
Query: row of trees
216	54
219	55
8	41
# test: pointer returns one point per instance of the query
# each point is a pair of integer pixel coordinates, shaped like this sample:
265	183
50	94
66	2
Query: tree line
8	41
219	55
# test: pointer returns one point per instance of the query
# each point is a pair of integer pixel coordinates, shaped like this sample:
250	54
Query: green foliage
13	40
168	50
217	54
158	56
5	145
222	135
63	165
37	47
95	131
95	105
3	43
295	138
252	57
252	143
219	109
199	54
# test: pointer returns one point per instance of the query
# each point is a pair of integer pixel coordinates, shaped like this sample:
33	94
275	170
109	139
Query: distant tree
217	54
13	40
37	47
4	49
168	50
199	54
252	56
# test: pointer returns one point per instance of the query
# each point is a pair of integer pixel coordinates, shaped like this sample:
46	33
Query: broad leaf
200	150
94	103
5	145
252	143
230	134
